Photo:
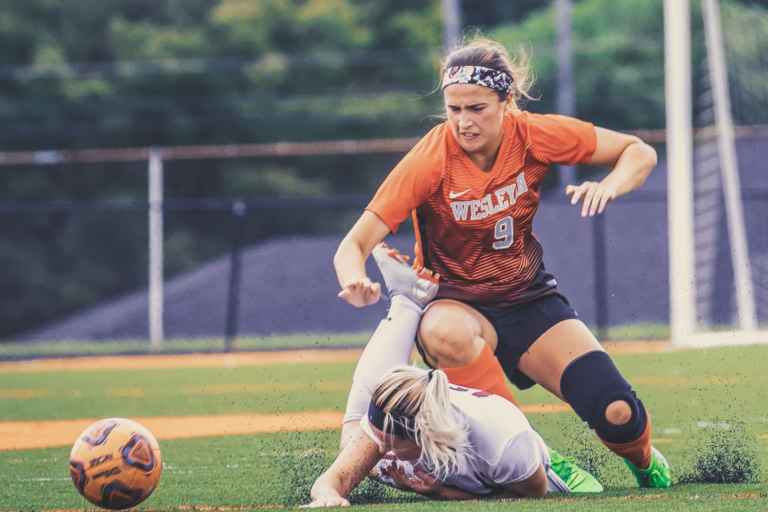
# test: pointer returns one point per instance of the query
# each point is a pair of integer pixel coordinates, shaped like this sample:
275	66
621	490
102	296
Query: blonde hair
439	430
477	50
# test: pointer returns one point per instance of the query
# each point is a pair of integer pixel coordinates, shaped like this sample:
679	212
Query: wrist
350	280
326	494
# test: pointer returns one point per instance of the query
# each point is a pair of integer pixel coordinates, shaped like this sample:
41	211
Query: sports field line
146	362
24	435
199	390
238	359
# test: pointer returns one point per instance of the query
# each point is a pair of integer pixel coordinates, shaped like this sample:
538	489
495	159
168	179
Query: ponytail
417	401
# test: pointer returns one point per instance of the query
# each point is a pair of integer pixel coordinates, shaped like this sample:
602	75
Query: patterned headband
402	426
488	77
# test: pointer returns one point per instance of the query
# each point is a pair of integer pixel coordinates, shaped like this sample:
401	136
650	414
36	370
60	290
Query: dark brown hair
481	51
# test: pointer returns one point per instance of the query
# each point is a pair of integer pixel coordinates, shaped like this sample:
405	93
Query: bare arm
446	492
349	261
351	466
631	159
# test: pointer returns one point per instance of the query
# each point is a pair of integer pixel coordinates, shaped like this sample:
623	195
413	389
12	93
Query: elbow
651	156
348	249
651	159
540	489
533	487
339	255
342	251
647	159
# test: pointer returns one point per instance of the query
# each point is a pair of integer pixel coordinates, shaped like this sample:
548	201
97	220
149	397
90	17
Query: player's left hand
420	481
327	501
596	196
361	293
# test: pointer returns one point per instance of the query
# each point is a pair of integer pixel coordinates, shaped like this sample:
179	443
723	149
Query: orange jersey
475	227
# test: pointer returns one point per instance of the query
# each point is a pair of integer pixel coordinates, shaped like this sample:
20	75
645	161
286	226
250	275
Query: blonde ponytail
437	428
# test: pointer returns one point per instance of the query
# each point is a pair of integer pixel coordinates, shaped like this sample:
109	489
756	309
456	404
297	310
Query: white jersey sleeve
520	459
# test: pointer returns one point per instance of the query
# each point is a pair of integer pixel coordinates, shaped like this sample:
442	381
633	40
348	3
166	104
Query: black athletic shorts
518	326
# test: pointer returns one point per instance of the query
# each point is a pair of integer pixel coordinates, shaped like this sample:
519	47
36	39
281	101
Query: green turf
277	469
72	394
709	402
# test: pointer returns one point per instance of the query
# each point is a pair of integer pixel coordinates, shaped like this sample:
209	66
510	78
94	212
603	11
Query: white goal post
685	327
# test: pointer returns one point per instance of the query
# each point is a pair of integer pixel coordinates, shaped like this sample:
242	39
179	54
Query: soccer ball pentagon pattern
115	463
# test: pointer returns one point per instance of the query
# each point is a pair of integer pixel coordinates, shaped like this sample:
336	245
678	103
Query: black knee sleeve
592	382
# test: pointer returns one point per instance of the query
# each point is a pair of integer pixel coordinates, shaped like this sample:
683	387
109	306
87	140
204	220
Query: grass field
705	404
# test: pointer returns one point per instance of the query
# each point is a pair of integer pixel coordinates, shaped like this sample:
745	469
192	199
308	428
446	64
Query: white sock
390	345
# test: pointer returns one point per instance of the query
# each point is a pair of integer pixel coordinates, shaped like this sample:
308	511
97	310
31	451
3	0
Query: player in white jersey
460	443
415	431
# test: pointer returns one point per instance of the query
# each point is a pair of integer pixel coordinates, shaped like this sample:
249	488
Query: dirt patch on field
147	362
201	390
238	359
20	435
24	435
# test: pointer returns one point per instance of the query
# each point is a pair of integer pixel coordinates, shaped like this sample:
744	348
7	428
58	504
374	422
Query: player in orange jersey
472	187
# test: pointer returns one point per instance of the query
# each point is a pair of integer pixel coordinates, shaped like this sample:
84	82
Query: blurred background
275	120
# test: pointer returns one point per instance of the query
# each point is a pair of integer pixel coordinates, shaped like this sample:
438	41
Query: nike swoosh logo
454	195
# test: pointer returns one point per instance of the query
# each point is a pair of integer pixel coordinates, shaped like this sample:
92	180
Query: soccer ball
115	463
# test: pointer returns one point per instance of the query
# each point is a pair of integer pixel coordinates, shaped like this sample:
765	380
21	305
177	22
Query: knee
448	338
618	412
599	394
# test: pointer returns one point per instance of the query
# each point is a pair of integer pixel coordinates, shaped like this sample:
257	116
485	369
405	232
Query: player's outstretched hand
596	196
361	293
327	501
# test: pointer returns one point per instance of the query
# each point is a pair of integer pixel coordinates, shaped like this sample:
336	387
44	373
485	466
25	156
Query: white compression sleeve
390	345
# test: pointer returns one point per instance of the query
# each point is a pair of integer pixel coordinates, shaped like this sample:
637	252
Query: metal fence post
155	299
566	96
601	277
239	212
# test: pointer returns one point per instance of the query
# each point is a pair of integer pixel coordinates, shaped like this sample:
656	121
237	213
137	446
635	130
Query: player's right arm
349	469
349	261
405	188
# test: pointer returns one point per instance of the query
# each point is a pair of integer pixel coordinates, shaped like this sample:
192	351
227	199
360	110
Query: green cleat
578	480
657	476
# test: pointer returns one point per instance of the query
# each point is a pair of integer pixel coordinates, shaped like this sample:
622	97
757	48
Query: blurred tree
113	73
618	60
489	13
